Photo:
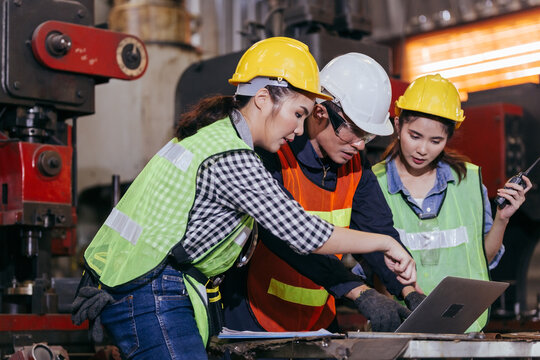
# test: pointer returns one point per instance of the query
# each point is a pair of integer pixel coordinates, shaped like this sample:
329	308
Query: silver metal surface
366	345
471	349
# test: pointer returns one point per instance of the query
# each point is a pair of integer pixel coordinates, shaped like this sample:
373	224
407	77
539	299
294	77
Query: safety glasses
345	130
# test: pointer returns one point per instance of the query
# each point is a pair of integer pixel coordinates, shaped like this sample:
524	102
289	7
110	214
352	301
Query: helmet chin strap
251	88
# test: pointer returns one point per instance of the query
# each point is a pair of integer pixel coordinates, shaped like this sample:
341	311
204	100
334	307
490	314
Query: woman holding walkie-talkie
439	204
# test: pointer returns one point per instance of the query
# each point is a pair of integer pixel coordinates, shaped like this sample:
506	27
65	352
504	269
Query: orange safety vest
280	298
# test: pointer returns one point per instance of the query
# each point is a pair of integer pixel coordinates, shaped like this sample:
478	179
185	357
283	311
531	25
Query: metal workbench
373	346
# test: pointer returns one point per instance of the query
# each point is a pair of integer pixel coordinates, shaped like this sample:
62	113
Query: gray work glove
413	300
384	313
88	304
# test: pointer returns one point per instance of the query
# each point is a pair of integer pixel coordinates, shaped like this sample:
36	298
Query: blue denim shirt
435	196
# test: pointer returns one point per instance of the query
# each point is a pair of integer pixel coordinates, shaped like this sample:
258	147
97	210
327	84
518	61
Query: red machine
500	133
489	138
52	58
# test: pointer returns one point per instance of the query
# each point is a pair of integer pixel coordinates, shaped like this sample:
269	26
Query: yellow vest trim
297	295
341	217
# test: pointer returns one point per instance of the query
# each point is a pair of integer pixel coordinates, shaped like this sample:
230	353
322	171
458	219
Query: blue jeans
152	318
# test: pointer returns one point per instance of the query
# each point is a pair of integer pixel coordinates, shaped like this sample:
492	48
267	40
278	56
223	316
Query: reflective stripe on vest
241	239
297	295
123	225
338	217
281	299
434	239
178	155
455	247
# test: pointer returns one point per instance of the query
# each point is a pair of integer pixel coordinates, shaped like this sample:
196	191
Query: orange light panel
492	53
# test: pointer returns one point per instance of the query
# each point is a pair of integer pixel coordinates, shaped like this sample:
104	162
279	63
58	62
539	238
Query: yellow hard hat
432	94
279	58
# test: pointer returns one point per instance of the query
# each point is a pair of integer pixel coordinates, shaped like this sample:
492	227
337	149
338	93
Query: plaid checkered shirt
236	183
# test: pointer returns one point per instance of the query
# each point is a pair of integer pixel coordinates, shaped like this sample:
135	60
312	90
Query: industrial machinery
52	58
329	31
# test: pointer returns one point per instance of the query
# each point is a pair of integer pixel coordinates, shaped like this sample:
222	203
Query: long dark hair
451	157
212	109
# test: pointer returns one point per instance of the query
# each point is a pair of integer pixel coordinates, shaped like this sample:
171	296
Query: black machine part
516	179
26	82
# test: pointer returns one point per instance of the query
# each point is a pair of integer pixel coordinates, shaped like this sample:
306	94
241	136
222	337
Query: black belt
180	260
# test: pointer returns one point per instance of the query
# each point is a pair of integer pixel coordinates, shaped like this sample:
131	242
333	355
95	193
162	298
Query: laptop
452	306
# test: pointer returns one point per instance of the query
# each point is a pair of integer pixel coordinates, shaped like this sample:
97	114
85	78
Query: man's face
341	139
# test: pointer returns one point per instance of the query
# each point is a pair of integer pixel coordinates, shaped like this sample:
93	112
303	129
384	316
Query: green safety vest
151	218
452	244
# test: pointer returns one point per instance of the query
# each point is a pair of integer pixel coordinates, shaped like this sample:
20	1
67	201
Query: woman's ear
261	97
396	124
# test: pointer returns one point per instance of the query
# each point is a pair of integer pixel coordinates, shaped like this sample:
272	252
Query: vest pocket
430	257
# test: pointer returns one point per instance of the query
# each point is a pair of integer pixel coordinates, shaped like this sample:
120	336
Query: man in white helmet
322	170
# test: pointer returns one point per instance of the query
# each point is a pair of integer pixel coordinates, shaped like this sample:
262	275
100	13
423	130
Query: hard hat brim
318	95
383	129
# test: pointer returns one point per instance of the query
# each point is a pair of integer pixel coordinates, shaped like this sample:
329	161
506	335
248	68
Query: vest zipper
325	171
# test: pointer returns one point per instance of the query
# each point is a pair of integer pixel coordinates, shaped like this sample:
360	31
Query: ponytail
212	109
206	112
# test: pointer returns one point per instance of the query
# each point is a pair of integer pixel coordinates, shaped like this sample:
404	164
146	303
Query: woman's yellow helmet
277	59
432	94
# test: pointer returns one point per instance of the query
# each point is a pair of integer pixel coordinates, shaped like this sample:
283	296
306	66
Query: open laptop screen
452	306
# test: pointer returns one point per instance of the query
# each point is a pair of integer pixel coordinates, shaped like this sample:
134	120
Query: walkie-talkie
517	179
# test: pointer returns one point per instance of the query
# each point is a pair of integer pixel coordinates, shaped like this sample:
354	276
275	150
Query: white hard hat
362	88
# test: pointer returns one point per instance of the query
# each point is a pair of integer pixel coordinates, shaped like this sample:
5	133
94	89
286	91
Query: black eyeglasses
343	129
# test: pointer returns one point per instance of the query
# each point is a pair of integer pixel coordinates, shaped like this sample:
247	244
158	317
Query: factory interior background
489	48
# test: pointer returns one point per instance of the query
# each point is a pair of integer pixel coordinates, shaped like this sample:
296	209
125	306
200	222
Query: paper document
237	334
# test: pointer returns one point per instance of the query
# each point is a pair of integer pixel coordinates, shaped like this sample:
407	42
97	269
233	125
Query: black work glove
413	300
384	313
88	304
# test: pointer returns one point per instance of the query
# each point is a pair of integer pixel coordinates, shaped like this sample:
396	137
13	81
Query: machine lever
86	50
